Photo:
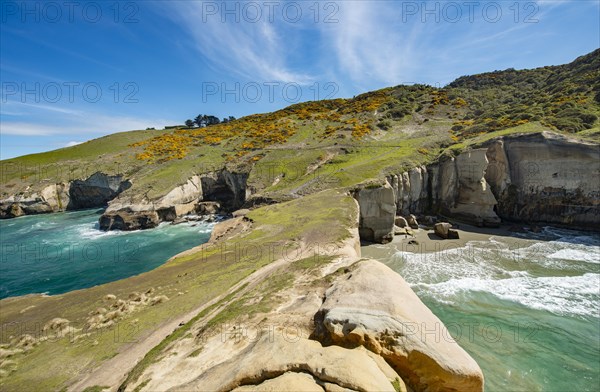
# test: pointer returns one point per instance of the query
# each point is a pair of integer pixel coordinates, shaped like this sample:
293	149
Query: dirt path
114	371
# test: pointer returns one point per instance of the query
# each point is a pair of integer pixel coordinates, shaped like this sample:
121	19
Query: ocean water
527	309
56	253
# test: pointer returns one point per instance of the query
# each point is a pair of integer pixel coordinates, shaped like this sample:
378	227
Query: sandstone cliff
546	178
131	211
539	178
536	178
95	191
370	332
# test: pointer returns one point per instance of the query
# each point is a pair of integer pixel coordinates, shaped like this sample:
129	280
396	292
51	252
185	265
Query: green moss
141	386
95	388
397	386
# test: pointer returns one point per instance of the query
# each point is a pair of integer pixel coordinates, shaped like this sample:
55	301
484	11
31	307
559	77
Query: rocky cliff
370	333
130	211
545	178
95	191
539	178
535	178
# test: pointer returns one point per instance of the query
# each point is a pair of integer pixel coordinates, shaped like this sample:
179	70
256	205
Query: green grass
158	350
475	141
396	384
96	388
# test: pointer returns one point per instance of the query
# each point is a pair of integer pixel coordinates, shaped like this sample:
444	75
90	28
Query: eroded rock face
475	201
227	188
129	220
95	191
180	201
208	208
183	194
531	178
204	194
373	307
52	198
377	213
546	178
273	357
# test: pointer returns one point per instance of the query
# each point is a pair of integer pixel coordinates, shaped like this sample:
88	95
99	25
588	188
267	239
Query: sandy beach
427	241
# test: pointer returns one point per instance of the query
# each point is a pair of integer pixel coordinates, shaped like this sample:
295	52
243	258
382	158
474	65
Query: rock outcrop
273	357
373	307
545	178
95	191
180	201
377	213
400	221
52	198
130	217
454	187
226	187
370	333
206	194
537	178
444	230
473	199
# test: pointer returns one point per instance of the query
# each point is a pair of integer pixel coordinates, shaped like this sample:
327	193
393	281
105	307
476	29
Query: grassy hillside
312	146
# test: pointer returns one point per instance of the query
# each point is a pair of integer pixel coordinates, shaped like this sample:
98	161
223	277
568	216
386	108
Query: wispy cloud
92	125
254	51
67	121
26	34
371	45
24	108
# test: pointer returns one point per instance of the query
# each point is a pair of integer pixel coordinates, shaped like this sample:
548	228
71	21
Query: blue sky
74	71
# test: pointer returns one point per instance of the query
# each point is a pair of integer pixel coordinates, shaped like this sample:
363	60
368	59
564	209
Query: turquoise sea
527	309
56	253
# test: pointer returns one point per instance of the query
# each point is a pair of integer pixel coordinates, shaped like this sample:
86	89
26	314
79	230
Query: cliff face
130	212
546	178
377	213
540	178
95	191
453	186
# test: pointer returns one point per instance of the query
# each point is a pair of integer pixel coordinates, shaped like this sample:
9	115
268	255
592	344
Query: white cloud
370	44
71	144
90	126
28	129
255	51
69	121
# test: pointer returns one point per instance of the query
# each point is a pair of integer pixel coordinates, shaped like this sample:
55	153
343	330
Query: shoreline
429	242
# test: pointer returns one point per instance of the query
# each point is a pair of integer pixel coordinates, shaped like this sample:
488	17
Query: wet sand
428	242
